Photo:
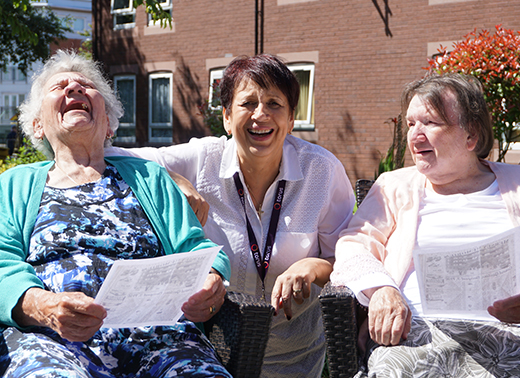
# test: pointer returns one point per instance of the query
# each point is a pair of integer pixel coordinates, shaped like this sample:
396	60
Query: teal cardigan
21	190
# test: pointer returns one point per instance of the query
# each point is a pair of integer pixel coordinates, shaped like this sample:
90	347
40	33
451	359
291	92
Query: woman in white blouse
277	204
451	197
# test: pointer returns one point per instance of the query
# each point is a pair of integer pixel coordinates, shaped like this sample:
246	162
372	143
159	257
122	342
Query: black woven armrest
338	306
239	332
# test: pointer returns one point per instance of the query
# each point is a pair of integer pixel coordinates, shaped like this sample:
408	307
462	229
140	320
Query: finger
276	295
306	289
408	326
297	292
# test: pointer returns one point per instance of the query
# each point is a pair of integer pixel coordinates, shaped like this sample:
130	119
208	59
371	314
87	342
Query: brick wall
366	52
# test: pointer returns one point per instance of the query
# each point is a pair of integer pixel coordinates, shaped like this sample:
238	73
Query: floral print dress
448	348
79	233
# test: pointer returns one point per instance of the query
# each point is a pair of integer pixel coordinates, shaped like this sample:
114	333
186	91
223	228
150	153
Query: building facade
351	57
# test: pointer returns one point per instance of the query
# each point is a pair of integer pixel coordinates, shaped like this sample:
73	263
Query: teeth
260	131
84	106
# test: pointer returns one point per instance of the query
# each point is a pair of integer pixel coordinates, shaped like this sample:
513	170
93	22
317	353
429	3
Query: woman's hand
506	310
198	204
295	283
202	305
389	318
73	315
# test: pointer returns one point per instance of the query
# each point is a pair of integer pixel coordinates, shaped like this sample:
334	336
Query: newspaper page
150	292
463	282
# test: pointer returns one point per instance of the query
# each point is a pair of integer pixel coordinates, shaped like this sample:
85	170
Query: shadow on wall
189	94
385	15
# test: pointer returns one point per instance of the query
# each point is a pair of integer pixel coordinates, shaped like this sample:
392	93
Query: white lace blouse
317	205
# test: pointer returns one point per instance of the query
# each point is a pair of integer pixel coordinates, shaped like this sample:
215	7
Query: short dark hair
472	109
265	70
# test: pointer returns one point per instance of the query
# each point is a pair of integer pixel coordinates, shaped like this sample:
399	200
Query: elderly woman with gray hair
64	223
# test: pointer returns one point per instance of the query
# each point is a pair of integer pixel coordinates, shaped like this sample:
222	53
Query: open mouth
77	106
260	132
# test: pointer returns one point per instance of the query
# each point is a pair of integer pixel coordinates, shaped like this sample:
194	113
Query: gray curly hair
66	61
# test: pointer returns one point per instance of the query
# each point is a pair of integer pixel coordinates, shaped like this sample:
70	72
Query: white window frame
127	125
161	125
166	5
214	75
130	10
305	124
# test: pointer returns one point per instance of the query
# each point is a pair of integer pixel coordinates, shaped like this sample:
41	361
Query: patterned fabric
449	348
78	234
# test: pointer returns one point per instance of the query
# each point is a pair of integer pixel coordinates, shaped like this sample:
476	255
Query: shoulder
23	171
403	179
503	168
310	153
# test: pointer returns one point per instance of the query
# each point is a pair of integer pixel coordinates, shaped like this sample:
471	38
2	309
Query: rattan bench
342	313
239	332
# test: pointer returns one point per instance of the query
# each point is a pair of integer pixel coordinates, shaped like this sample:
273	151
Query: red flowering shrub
495	60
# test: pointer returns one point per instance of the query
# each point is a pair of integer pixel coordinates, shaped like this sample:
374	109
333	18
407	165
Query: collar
290	169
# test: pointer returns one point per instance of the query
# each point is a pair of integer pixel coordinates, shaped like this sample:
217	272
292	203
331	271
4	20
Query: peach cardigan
376	248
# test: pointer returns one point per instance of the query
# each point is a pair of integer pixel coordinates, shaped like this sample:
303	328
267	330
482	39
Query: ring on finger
297	291
211	309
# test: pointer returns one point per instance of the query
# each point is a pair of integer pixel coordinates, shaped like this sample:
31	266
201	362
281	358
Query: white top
317	205
451	220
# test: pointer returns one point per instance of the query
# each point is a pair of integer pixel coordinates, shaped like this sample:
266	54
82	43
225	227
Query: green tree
26	33
495	60
153	7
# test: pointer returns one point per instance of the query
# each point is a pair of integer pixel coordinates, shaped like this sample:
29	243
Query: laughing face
438	150
71	106
259	120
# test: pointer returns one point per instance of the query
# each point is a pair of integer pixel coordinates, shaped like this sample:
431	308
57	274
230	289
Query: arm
198	204
362	253
295	282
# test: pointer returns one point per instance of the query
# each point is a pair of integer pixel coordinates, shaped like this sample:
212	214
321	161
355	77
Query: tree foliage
495	60
26	33
154	8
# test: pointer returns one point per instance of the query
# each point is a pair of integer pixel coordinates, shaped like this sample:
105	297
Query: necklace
66	174
259	209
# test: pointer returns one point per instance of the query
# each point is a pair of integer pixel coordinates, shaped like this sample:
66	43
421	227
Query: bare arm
295	282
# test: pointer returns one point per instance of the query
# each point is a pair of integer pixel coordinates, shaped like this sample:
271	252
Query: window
160	107
304	115
124	14
124	86
166	5
13	75
10	108
214	80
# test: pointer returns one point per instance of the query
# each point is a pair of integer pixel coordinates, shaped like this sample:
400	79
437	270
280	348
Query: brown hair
265	70
472	110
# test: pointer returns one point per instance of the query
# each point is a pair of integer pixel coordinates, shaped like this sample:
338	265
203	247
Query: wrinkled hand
389	318
198	307
198	204
73	315
506	310
295	283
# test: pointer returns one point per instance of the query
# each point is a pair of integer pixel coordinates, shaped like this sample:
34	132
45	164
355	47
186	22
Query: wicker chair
342	315
239	332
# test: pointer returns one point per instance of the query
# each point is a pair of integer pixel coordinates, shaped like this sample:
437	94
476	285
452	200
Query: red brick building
354	57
